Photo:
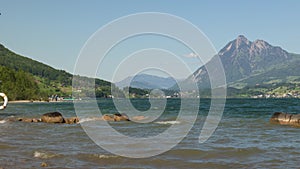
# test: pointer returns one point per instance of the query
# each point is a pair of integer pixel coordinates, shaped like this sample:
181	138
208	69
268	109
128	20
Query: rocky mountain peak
261	44
240	43
242	58
241	40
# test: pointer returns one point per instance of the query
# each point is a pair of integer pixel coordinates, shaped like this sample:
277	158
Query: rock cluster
52	117
56	117
115	117
286	119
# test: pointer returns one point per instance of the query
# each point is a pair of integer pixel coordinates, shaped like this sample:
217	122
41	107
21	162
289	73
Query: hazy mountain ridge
146	81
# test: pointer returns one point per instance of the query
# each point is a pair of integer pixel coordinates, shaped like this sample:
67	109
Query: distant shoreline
35	101
60	101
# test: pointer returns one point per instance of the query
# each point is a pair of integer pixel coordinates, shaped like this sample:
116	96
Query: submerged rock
25	119
121	117
285	119
138	118
71	120
108	117
34	120
43	164
53	117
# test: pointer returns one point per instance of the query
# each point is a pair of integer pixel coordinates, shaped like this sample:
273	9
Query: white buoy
5	101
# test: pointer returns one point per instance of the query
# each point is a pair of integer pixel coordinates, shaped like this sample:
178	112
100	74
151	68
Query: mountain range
147	81
250	64
251	68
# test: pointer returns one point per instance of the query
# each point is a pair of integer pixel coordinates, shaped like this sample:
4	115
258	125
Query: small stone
138	118
43	164
29	120
72	120
108	117
121	117
35	120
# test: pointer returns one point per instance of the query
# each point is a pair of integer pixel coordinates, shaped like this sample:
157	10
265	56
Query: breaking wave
168	122
44	155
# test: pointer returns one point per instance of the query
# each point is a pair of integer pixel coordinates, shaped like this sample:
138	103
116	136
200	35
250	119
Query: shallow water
243	139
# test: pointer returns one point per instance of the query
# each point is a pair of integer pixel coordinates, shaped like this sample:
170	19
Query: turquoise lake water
244	137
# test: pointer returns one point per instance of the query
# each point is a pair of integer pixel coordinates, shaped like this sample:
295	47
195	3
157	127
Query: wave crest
168	122
44	155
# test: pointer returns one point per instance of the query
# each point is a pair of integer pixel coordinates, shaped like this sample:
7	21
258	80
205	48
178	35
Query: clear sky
54	31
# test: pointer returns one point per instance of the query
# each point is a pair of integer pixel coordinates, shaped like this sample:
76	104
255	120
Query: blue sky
54	31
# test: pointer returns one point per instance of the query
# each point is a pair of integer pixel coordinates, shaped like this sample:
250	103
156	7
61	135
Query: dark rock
53	117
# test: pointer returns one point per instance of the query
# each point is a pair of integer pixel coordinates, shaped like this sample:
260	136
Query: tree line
19	85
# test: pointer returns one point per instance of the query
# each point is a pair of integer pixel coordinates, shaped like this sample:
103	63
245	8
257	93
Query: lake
244	137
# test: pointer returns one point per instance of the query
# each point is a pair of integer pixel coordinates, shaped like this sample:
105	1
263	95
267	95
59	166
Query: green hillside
280	81
19	85
24	78
16	62
288	73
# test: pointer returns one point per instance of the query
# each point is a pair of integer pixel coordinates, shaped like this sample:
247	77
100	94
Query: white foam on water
102	156
89	119
43	155
2	121
168	122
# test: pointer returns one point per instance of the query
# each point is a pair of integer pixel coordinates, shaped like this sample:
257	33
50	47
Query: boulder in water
285	119
53	117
